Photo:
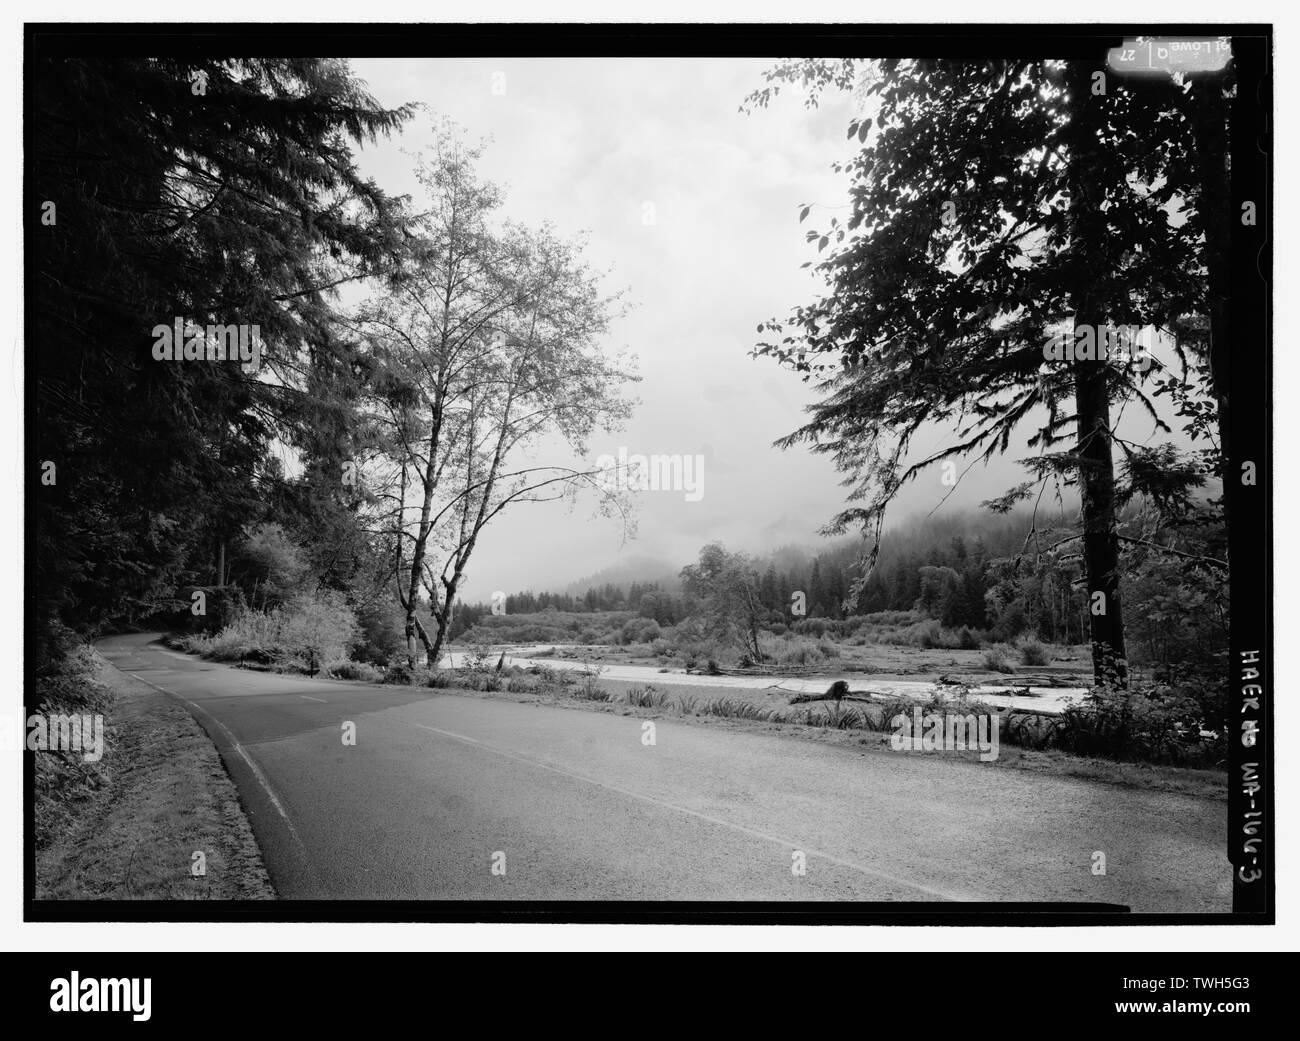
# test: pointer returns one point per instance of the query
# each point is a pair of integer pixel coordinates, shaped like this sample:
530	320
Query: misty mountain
640	569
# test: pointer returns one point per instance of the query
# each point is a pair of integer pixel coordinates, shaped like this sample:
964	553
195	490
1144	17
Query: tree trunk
1212	159
443	618
412	600
1100	546
1087	225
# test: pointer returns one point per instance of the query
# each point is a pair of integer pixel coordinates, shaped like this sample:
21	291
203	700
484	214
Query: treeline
967	544
997	576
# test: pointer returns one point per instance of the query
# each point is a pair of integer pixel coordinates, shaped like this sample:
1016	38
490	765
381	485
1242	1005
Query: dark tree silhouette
994	206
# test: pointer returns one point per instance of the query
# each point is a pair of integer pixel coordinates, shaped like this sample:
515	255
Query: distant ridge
625	572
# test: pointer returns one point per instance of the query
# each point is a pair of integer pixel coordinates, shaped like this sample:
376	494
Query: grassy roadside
1205	784
127	827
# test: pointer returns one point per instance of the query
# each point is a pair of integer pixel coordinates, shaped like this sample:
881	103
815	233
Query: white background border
15	935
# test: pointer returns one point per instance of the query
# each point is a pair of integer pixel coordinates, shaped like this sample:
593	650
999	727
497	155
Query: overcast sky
587	144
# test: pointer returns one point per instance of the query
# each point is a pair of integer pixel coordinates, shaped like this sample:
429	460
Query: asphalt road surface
566	804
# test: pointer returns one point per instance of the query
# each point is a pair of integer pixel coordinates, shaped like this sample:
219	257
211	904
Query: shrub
886	712
1033	653
353	670
63	779
796	651
827	649
190	643
399	673
303	634
588	689
928	633
732	708
68	684
639	630
254	633
811	627
1154	723
479	658
940	638
837	717
996	659
645	697
316	629
891	618
546	676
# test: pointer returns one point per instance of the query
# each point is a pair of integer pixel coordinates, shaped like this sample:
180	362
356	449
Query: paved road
436	784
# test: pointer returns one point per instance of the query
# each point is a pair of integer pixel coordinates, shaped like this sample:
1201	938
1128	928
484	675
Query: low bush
997	659
796	651
1033	653
646	697
302	635
62	779
836	717
354	670
928	633
812	627
639	630
588	689
399	674
732	708
1154	723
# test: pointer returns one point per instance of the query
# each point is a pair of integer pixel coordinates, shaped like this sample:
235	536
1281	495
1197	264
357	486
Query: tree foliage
489	346
995	206
237	203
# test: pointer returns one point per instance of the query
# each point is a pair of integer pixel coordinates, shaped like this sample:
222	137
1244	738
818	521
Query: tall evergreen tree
994	205
211	191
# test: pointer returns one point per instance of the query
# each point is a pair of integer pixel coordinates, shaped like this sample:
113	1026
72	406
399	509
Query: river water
1042	699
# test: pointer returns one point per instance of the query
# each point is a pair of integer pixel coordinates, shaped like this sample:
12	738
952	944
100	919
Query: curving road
439	787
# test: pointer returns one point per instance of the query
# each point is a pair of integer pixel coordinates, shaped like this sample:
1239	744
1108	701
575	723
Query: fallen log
865	697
